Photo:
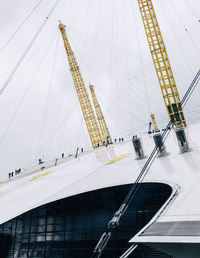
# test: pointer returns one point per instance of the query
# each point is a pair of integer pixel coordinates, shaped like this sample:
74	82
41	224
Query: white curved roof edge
166	239
175	191
86	174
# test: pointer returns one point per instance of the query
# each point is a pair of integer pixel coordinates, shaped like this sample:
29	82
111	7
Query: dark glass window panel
72	226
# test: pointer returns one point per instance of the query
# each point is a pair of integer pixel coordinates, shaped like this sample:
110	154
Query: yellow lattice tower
85	104
102	123
154	123
162	64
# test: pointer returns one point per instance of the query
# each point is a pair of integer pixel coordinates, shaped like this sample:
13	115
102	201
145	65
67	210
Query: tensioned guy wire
20	26
26	92
101	245
27	49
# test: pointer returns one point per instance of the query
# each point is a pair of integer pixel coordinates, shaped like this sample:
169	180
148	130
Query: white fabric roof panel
86	173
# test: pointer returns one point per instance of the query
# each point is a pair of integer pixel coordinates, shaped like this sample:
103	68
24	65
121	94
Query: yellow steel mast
162	64
154	123
102	123
85	104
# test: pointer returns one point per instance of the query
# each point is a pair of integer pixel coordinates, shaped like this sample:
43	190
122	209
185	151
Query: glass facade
72	226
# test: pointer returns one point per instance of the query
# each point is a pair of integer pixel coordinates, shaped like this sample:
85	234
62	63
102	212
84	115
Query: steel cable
151	158
185	28
26	91
27	49
48	93
132	192
20	26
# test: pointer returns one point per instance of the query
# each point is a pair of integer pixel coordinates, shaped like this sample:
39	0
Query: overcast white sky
39	110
